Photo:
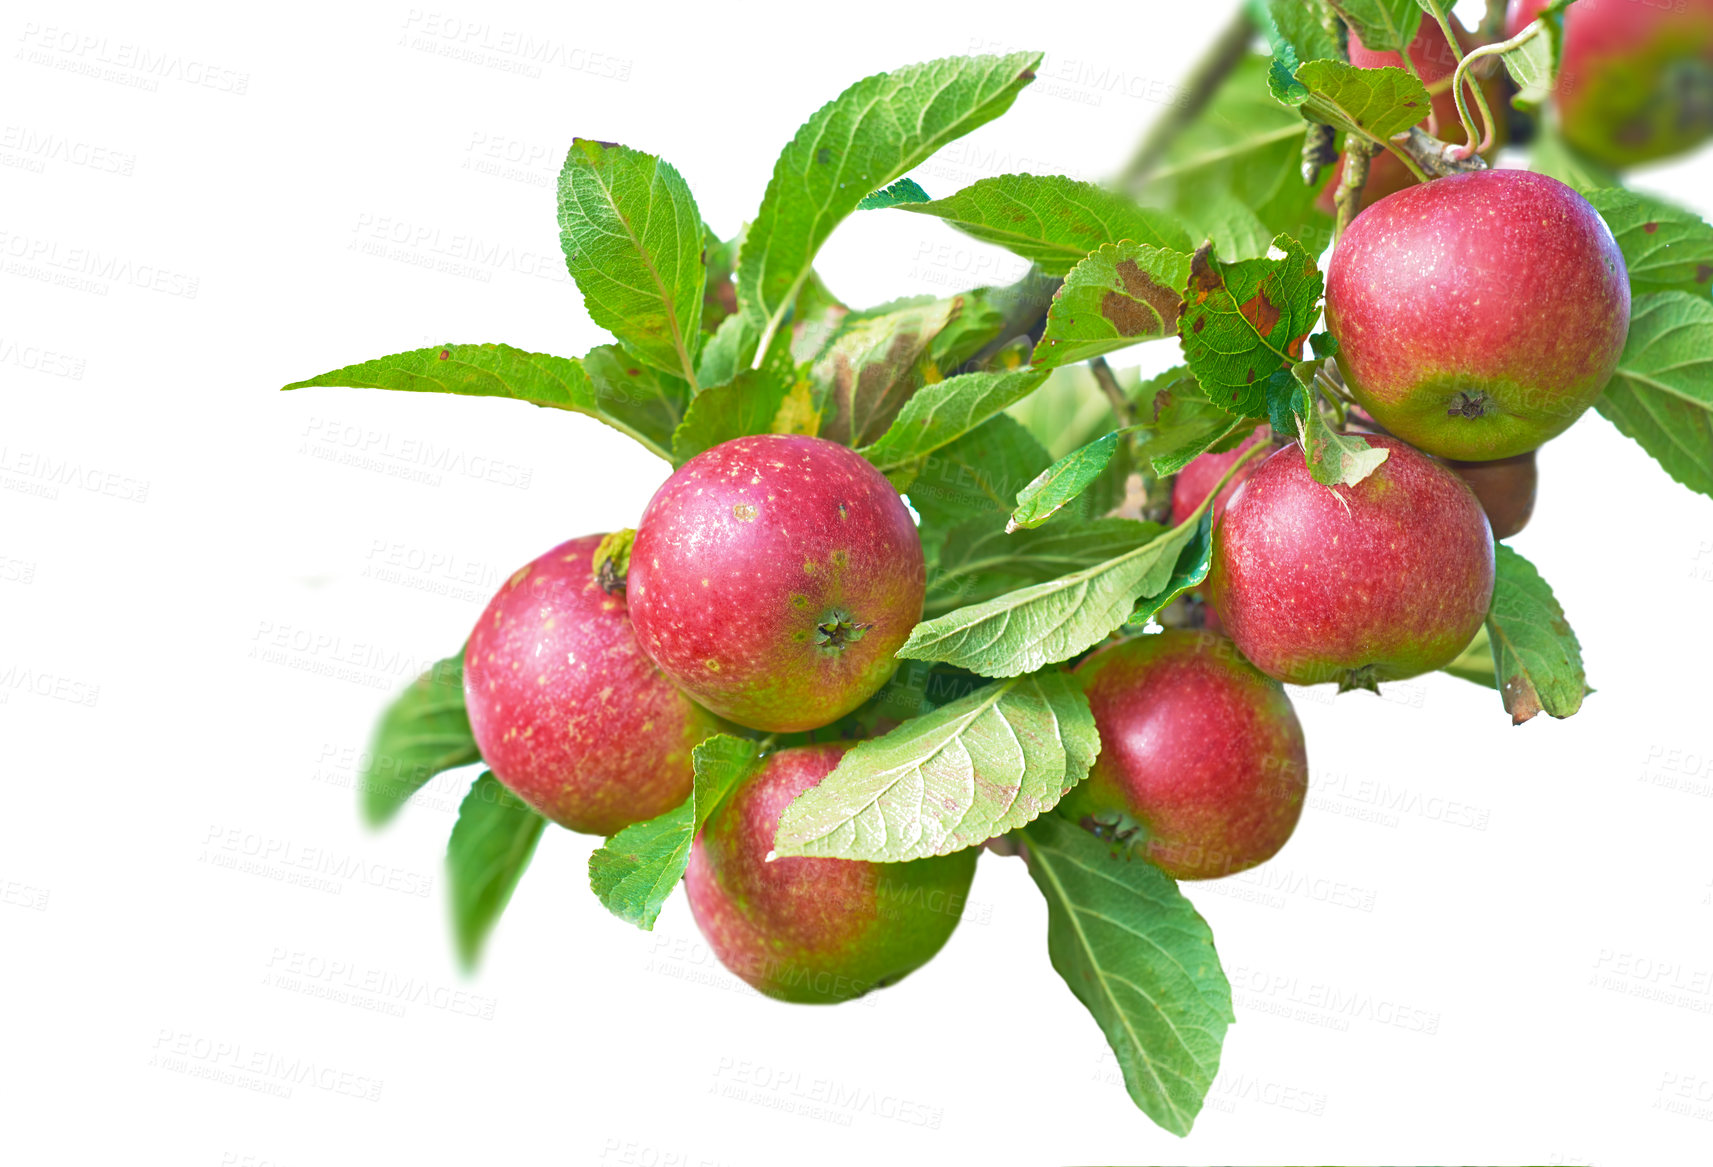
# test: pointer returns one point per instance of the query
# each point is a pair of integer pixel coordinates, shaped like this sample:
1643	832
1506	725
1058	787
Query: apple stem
1461	79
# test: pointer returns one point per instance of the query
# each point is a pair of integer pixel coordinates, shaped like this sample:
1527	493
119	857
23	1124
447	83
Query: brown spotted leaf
872	368
1121	295
1536	658
1242	322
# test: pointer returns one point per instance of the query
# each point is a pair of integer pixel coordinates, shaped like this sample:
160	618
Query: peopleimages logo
232	1063
33	149
123	62
88	269
32	472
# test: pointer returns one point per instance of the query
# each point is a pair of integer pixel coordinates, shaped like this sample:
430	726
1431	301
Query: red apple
1478	315
1506	488
567	710
773	577
1198	478
1201	754
1635	77
1375	582
816	931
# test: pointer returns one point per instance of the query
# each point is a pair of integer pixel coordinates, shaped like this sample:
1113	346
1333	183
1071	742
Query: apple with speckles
1357	584
814	931
1635	79
1202	767
1479	315
567	710
773	577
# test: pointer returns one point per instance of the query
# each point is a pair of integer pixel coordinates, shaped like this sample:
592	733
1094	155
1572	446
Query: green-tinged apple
1356	584
567	710
773	577
1635	77
1479	315
1202	766
814	931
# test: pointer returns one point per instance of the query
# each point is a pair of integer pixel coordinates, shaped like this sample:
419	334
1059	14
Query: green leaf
900	193
1375	103
1181	424
1062	482
1244	321
1475	662
1023	630
728	352
1333	458
1141	960
1235	230
1240	163
1296	32
1386	26
424	732
1533	65
491	846
977	475
873	367
1666	248
861	141
940	414
637	869
1661	397
1191	568
1336	459
951	779
625	396
633	240
1051	220
980	560
750	403
1535	654
1121	295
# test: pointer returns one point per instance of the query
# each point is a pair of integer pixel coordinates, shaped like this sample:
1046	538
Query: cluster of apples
772	578
768	585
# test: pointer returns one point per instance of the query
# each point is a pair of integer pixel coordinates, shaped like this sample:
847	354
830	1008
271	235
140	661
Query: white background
1483	942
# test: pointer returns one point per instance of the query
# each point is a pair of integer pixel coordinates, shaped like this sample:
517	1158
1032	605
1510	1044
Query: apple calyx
611	561
1364	677
1470	403
837	628
1115	827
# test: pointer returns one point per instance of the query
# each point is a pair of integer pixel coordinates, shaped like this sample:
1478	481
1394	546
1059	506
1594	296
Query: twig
1320	149
1224	55
1358	153
1108	382
1428	157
